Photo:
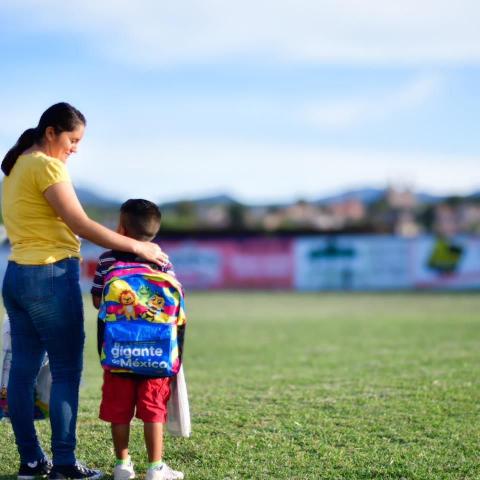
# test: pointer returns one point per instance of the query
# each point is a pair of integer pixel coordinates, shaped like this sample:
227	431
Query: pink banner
249	263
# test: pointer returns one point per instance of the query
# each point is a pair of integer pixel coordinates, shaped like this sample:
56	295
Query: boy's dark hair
140	218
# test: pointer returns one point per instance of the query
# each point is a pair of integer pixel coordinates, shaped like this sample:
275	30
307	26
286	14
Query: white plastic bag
178	408
43	384
6	363
42	391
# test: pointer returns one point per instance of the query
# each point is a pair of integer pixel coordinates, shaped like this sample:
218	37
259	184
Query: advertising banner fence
323	262
353	263
242	263
441	263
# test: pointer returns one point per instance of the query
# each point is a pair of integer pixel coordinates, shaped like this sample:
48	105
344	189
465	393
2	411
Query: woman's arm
63	199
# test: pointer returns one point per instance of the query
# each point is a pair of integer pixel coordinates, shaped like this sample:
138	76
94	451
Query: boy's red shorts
122	395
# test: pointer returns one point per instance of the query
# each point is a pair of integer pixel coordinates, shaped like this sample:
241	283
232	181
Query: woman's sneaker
31	470
74	472
163	472
124	471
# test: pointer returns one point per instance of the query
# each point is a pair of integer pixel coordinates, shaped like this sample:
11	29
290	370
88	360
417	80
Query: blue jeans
45	307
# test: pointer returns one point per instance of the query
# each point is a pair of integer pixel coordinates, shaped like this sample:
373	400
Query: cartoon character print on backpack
155	305
128	306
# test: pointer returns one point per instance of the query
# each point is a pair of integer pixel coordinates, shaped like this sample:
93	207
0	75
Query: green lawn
313	386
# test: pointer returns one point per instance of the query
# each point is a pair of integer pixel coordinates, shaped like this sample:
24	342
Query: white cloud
345	113
237	115
260	172
159	33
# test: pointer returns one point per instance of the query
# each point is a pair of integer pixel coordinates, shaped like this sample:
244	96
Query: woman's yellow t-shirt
37	235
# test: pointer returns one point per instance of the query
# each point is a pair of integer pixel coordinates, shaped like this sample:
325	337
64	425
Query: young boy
123	394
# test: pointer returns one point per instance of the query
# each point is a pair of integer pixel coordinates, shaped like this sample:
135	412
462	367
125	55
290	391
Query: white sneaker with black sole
124	471
163	472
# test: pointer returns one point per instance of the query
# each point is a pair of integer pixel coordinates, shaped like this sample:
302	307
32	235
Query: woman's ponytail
26	140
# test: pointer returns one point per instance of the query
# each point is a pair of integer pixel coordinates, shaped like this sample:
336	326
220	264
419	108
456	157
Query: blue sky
265	100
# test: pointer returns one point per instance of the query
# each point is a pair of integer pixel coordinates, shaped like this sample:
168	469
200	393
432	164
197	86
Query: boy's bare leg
153	433
120	436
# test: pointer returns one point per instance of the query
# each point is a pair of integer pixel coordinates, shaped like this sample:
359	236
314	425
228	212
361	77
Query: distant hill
432	199
428	198
370	195
91	199
216	200
365	195
222	199
474	195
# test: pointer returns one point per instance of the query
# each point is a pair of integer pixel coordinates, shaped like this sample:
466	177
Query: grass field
313	386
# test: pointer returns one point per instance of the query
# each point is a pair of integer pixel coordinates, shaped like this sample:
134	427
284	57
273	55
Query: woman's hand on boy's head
152	252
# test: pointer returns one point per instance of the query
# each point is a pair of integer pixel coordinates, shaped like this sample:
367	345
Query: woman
41	290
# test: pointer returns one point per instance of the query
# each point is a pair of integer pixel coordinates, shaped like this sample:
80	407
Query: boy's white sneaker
163	472
124	471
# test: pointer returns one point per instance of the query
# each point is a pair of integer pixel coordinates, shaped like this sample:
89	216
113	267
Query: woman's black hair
61	116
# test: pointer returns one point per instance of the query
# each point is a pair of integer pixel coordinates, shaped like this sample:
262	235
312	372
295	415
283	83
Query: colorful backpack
142	308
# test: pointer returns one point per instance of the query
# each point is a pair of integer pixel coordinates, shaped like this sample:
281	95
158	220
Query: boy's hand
152	252
96	300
